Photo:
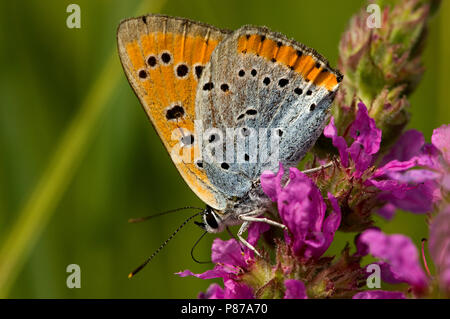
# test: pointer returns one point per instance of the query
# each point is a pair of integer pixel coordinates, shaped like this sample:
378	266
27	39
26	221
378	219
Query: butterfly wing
163	58
267	82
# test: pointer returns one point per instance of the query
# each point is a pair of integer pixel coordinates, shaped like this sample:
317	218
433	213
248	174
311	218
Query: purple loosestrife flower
311	228
231	264
366	141
412	163
403	174
383	66
432	169
302	209
299	270
398	256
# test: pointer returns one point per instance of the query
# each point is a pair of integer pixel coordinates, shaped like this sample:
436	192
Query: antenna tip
130	275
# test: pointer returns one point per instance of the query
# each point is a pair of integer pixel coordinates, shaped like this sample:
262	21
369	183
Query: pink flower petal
237	290
254	232
295	289
400	253
214	292
379	294
367	139
439	246
330	131
406	147
227	252
271	183
441	140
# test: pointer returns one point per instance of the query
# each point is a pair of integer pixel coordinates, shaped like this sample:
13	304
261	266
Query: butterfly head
212	222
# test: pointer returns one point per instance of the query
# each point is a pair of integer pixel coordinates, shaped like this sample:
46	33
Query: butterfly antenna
195	245
134	272
142	219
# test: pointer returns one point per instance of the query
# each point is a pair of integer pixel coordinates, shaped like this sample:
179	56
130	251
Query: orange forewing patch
287	55
162	89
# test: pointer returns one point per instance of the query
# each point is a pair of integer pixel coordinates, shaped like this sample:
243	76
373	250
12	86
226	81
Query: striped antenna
195	245
142	219
133	273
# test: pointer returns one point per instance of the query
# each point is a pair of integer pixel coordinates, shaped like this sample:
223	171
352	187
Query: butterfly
197	83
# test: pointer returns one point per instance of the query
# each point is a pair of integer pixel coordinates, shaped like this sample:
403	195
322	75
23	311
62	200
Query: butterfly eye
211	220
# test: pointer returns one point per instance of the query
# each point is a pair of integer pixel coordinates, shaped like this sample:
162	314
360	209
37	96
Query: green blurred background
78	156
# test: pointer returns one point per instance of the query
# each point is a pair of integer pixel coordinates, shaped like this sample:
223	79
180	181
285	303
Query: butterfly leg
247	218
316	169
243	228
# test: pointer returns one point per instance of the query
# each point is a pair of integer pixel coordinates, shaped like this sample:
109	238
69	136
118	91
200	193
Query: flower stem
424	240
